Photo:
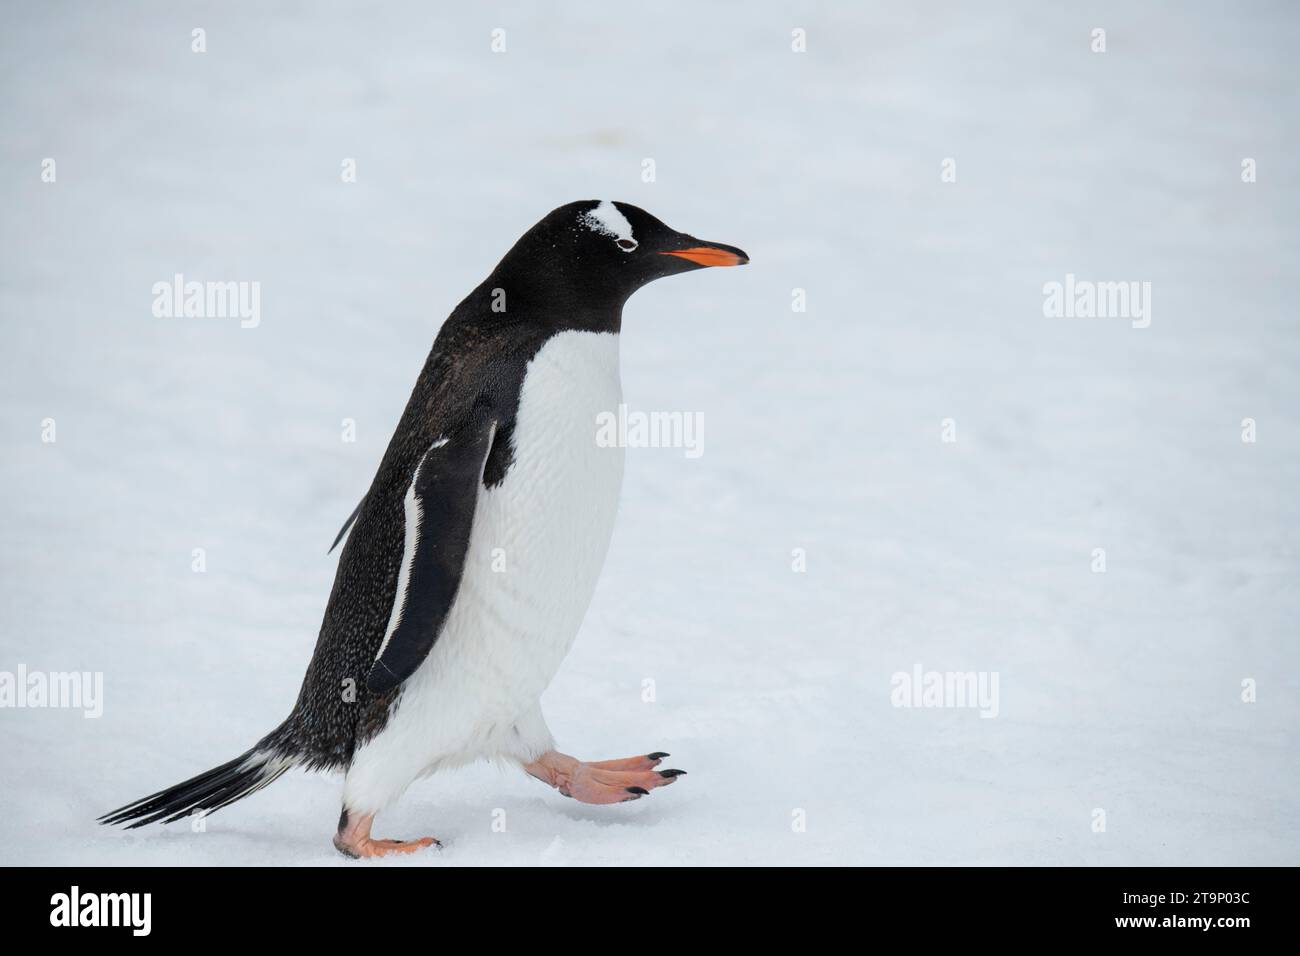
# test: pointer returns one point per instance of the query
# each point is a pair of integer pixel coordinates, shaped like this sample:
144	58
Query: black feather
347	524
207	792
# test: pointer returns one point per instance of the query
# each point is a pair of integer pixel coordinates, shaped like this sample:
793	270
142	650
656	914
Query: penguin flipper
439	506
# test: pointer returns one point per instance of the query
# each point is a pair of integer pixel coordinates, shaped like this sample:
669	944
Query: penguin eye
627	245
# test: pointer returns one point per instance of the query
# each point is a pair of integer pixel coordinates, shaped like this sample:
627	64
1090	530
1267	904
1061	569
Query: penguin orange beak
711	255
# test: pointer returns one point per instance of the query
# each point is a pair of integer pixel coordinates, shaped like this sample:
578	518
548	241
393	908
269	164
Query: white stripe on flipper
414	516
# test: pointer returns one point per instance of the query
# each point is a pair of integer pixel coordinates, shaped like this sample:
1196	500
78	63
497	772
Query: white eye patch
607	220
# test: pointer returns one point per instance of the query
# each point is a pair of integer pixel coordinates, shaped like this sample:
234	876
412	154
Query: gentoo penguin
473	556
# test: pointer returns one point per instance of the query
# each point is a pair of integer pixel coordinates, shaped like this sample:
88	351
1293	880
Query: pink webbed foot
604	781
353	839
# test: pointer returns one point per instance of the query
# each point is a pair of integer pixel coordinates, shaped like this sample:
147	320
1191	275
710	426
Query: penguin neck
563	301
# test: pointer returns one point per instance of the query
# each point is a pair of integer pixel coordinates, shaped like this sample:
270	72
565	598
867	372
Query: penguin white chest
543	532
537	545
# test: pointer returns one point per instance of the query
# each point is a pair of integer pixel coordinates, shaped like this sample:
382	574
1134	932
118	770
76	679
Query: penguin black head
600	252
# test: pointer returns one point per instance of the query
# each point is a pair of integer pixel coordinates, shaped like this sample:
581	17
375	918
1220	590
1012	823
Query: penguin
471	560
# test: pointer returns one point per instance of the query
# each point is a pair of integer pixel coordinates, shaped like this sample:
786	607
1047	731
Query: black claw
639	791
671	773
658	755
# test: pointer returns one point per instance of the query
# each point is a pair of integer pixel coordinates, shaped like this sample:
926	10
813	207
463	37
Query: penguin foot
353	839
604	781
648	762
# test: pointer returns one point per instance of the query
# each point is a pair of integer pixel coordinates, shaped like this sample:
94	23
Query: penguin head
608	250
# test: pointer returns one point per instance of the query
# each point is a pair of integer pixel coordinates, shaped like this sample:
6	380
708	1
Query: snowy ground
1118	691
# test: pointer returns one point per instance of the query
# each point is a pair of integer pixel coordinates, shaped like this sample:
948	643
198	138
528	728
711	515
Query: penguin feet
353	839
604	781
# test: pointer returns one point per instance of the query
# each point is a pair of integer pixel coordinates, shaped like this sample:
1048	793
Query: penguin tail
206	793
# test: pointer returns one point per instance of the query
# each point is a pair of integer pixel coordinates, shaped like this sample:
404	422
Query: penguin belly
536	549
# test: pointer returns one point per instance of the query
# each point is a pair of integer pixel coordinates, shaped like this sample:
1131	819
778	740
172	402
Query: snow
1118	691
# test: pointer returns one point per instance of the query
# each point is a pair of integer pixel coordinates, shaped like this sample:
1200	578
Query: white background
1119	691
